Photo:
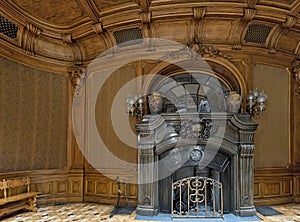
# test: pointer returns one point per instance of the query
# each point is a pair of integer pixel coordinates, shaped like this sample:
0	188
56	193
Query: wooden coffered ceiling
57	34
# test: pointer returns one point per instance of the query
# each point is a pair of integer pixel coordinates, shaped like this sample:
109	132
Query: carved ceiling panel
75	31
56	12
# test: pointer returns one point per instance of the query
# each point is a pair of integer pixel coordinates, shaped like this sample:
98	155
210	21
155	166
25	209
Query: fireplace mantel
219	133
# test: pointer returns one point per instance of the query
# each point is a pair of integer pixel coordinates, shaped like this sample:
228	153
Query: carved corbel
296	74
29	37
76	74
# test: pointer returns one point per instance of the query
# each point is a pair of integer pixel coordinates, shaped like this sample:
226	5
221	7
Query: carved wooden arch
233	77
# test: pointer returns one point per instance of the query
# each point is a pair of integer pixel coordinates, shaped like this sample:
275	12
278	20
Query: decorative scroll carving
28	39
197	197
207	50
197	128
296	74
195	50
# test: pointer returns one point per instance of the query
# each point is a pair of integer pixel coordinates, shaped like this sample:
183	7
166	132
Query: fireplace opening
194	189
197	197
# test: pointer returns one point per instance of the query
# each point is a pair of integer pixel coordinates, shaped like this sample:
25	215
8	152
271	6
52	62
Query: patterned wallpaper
33	118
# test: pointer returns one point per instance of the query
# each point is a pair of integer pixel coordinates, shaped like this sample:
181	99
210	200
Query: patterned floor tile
91	212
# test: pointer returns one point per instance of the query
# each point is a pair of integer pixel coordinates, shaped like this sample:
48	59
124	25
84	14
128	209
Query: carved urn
233	102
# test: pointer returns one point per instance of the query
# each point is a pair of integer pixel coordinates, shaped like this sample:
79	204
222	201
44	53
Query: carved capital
76	74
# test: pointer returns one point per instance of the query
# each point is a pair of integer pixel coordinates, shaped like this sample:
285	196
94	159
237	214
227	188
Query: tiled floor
96	212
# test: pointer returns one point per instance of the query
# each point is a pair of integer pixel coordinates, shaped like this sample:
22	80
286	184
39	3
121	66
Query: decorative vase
233	102
155	102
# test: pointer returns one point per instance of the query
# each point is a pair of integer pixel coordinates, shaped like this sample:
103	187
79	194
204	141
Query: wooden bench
12	203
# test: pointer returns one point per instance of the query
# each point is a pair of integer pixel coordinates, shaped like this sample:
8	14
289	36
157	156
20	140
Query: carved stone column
246	129
149	135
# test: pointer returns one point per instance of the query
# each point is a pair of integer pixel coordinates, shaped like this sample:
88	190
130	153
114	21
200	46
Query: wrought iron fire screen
197	197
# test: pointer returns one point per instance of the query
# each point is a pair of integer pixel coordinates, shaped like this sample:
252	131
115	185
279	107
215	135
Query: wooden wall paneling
102	189
62	187
273	186
76	186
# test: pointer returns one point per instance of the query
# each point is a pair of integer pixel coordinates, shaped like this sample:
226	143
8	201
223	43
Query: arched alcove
194	86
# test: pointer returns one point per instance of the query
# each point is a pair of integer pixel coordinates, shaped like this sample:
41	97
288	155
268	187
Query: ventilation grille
8	28
257	33
128	37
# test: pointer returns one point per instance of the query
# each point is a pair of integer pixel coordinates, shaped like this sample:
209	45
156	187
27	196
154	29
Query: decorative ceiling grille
8	28
126	37
257	33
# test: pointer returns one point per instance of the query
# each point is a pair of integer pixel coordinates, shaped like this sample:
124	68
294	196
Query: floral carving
197	128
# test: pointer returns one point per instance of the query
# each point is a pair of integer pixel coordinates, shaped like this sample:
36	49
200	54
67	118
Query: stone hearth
167	143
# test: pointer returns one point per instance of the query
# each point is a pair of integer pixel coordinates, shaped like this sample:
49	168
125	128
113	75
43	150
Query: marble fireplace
173	146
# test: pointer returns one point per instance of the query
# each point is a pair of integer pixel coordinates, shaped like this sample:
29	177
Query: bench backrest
14	183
